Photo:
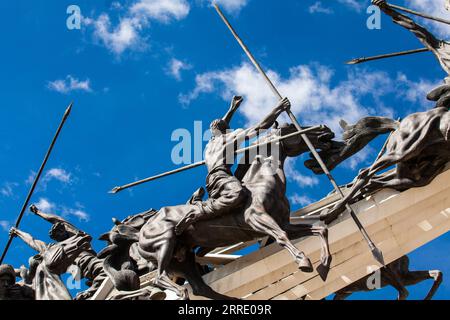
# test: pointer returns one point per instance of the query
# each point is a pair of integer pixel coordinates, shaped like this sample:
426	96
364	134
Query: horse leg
262	222
298	231
414	277
164	257
341	295
190	271
362	180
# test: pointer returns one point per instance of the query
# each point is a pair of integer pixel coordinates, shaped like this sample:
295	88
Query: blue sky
138	70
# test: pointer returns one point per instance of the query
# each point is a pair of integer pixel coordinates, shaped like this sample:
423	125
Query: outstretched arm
53	219
266	123
424	36
235	104
37	245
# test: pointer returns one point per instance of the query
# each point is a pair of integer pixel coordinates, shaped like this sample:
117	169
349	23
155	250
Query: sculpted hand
285	104
13	232
34	209
237	100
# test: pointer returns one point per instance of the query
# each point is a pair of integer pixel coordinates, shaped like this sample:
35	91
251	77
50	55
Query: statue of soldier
90	266
440	48
9	289
54	260
225	190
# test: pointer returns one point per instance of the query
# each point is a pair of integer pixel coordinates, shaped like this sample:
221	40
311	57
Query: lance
419	14
201	163
36	179
377	254
385	56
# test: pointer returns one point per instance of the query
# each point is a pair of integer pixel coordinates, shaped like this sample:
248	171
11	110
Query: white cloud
160	10
318	7
7	190
435	8
362	157
5	225
303	200
314	96
293	174
175	68
128	33
58	174
46	205
356	5
30	178
117	39
230	5
69	84
416	91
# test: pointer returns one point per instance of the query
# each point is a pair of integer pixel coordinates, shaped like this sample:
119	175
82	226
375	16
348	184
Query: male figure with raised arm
225	190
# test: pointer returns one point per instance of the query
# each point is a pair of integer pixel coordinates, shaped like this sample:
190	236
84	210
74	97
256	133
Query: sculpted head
58	232
218	127
7	279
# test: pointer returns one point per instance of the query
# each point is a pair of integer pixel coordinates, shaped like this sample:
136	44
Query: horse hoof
305	265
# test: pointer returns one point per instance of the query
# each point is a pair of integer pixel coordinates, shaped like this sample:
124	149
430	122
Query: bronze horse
419	146
266	213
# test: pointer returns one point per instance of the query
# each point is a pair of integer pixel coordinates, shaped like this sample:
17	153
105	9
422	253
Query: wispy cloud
313	94
293	174
7	189
78	211
302	200
318	7
356	5
69	84
58	174
130	30
229	5
128	33
175	68
435	8
5	225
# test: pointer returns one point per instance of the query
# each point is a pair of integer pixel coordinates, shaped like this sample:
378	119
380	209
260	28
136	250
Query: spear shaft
419	14
201	163
385	56
36	179
377	254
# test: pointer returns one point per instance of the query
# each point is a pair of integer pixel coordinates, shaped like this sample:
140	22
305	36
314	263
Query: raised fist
237	100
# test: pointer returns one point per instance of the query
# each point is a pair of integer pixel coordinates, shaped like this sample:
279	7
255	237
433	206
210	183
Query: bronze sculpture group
247	204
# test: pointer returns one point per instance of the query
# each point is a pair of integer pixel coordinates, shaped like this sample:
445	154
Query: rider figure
440	48
225	190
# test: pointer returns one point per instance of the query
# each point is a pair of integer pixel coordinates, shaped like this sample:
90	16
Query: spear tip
378	255
354	61
115	190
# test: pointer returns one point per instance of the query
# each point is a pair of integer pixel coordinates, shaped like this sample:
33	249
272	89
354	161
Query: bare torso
220	151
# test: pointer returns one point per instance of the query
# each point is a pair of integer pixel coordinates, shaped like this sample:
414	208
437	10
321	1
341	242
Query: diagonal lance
36	179
401	53
377	254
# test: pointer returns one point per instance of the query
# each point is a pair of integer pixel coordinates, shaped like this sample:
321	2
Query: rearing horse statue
266	213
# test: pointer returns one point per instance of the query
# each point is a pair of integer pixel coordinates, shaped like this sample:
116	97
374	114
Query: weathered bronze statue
121	260
266	212
224	189
54	259
9	289
402	277
90	266
419	146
